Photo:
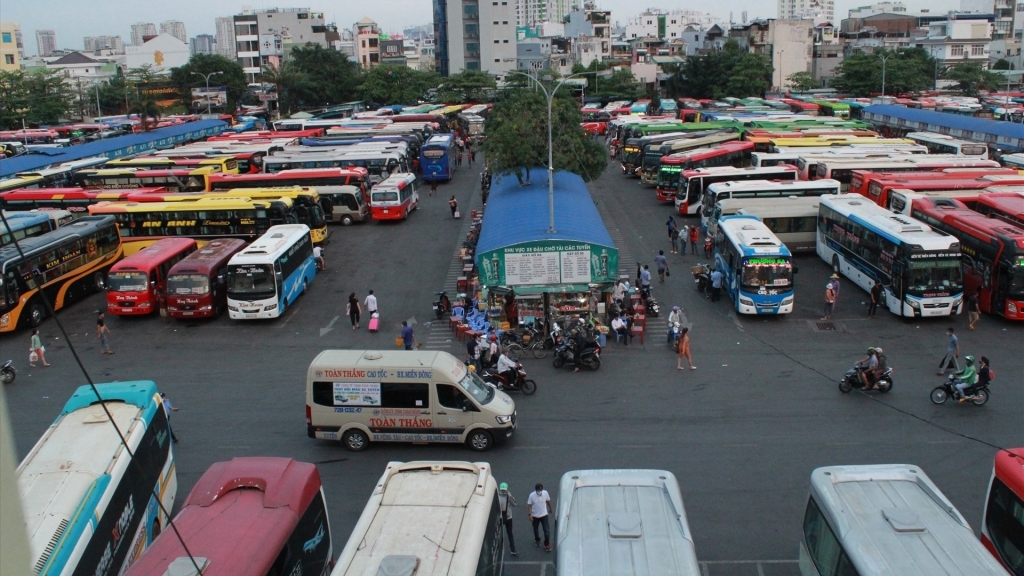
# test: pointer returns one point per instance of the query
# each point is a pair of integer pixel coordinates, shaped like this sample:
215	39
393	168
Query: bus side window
402	395
822	545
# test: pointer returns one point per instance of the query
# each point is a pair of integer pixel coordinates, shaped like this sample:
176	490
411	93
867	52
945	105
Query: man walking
539	506
645	278
370	303
949	361
454	205
973	310
694	236
834	281
662	264
102	332
505	503
407	337
877	292
168	408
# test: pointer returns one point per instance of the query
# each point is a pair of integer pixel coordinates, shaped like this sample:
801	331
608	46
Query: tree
972	77
285	78
144	103
467	86
730	71
13	99
751	75
114	95
324	77
621	84
49	97
801	82
517	135
231	76
1002	64
390	84
908	70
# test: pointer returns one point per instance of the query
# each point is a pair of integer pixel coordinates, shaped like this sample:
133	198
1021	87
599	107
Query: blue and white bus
758	267
89	507
271	274
437	159
918	266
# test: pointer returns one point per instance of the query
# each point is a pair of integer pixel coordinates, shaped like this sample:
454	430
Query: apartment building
46	42
140	31
475	35
367	38
10	56
263	36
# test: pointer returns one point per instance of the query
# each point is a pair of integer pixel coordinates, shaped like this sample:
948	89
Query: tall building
202	44
534	12
175	28
99	43
823	10
46	42
367	37
472	35
10	58
1003	10
140	30
225	36
262	35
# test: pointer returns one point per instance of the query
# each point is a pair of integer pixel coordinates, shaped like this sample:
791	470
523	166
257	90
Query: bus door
1002	287
897	288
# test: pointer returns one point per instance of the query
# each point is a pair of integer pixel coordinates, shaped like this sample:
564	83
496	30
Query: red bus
1005	203
735	154
1002	527
860	179
133	284
195	285
248	159
395	197
75	200
876	187
267	135
248	517
689	193
335	186
992	253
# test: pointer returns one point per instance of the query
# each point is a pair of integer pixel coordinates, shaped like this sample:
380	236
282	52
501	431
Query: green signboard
548	263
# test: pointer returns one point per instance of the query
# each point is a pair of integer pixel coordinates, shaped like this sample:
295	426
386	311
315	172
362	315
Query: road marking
330	326
295	311
531	447
739	445
637	446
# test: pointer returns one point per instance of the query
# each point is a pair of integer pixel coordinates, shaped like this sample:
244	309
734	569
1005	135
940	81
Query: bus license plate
252	315
187	313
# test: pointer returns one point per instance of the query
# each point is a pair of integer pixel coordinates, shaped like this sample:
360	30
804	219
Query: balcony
473	55
471	16
470	35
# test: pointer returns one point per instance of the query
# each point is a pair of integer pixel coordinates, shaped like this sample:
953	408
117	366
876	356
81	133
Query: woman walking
684	350
454	205
37	348
353	310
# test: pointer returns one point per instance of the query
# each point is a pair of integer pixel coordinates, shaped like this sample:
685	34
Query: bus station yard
742	433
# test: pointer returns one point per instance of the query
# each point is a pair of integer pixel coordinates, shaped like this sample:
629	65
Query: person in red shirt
694	235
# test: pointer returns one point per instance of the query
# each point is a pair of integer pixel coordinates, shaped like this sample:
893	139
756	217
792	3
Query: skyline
115	17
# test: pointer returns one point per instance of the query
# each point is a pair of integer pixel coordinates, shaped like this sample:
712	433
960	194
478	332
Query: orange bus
196	284
133	284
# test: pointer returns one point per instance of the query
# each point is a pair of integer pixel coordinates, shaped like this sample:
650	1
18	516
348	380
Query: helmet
970	360
878	350
675	308
494	337
471	368
503	486
871	351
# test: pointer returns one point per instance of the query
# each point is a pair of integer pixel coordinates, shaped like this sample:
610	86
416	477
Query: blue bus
90	508
23	225
758	268
437	159
269	275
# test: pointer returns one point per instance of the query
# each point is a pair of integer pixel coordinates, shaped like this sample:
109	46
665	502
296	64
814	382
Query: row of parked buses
106	511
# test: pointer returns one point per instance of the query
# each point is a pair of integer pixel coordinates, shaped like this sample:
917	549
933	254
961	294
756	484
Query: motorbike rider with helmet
869	369
966	377
508	369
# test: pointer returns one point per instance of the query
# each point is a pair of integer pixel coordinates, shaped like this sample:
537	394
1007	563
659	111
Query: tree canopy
324	76
730	71
466	86
971	78
231	76
33	98
801	81
388	84
906	70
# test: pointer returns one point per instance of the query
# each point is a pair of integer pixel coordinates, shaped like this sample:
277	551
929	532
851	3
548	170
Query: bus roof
333	359
899	228
751	235
954	212
1009	465
697	153
892	519
276	240
209	257
21	220
235	516
623	522
774	184
731	170
153	255
206	203
83	225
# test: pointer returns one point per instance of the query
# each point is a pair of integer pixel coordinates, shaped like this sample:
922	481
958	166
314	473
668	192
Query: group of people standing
679	237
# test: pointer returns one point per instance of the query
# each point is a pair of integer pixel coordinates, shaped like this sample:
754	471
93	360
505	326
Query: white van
359	396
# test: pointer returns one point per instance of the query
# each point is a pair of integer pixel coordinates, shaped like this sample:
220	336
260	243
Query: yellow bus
175	180
142	223
16	182
223	164
835	140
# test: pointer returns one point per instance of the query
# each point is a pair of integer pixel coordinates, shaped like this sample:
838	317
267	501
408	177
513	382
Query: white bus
758	268
622	522
379	163
692	183
1013	160
89	507
919	267
730	206
269	275
946	144
901	200
793	220
886	519
762	189
430	517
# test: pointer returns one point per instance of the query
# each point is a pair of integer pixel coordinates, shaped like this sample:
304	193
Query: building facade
367	37
174	28
113	44
225	26
140	30
46	42
818	10
162	52
535	12
202	44
474	35
10	56
262	37
958	39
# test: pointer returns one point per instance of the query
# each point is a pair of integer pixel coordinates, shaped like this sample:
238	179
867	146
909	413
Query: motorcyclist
579	341
869	368
508	369
966	377
674	317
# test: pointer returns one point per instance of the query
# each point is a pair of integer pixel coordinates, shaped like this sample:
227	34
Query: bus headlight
1010	306
206	307
232	308
956	303
7	318
503	419
914	304
271	307
746	301
787	301
144	304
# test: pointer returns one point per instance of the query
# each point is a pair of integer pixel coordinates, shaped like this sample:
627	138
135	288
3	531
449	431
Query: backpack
991	374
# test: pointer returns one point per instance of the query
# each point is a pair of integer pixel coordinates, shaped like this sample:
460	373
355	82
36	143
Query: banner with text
548	263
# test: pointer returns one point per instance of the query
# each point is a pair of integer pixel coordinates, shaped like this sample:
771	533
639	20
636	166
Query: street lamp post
207	76
782	76
884	58
550	95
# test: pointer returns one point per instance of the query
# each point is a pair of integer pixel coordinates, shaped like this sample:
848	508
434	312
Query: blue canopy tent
1004	135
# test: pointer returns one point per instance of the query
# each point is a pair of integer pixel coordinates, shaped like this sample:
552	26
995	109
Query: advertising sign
549	263
356	394
215	97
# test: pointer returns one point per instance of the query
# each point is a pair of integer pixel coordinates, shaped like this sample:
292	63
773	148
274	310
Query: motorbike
522	383
8	373
442	305
319	262
978	393
851	380
650	304
675	333
701	277
590	358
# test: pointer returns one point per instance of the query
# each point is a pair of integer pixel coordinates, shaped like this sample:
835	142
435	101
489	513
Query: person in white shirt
507	368
318	257
370	304
619	292
538	506
492	358
619	326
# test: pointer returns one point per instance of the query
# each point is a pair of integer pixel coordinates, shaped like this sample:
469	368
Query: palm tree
145	105
284	77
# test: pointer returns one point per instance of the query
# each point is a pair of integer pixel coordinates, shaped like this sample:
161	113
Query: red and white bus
74	200
1004	202
876	187
1002	527
196	285
992	253
735	154
266	135
395	197
692	183
248	517
133	284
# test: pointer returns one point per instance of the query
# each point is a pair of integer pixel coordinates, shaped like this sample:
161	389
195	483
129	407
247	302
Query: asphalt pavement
741	433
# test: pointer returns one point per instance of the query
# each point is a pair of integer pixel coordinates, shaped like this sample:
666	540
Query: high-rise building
225	36
471	35
823	10
141	30
535	12
261	35
10	57
175	28
98	43
46	42
202	44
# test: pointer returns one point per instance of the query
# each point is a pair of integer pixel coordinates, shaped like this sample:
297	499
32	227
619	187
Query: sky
75	19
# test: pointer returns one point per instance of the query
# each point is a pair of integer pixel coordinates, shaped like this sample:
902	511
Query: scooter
320	262
852	381
565	355
701	277
977	394
650	304
441	305
8	373
522	384
675	333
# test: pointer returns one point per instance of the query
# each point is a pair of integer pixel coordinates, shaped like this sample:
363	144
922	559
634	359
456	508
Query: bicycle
536	346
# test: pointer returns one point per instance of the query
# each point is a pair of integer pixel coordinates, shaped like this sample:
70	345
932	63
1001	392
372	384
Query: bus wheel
305	284
36	314
355	440
346	220
99	281
479	440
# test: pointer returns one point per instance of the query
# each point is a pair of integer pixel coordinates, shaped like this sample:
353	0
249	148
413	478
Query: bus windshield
128	282
1016	286
477	388
251	282
934	274
188	284
668	177
774	272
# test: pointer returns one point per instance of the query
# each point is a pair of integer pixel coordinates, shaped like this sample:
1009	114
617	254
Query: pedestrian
454	205
671	223
370	304
408	339
716	284
469	156
949	361
472	352
458	158
694	235
973	310
674	237
684	349
161	300
539	506
505	503
877	292
102	332
830	301
433	188
662	264
645	278
834	281
352	309
168	408
37	349
639	270
472	155
707	247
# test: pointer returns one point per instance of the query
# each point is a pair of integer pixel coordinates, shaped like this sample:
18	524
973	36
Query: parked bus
761	189
993	253
611	522
90	507
341	191
65	265
61	175
437	158
430	517
20	183
902	201
196	286
222	164
278	505
919	267
142	223
633	150
270	274
946	144
691	184
842	169
886	519
653	155
1003	202
877	187
758	268
74	201
792	219
1002	527
395	198
21	225
379	164
177	180
729	155
135	283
